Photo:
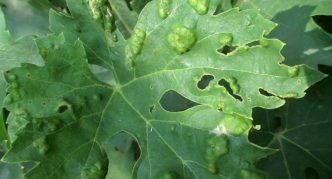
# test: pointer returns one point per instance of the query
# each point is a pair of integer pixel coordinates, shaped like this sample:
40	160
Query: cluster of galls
101	13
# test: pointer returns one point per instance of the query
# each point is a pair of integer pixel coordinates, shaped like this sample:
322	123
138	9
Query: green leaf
101	50
138	5
121	154
125	18
9	170
12	171
306	42
26	17
70	116
301	130
13	53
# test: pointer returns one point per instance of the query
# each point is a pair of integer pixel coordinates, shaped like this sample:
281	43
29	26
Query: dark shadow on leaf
311	173
302	46
301	131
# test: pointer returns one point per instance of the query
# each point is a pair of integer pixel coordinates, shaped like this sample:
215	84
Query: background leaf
125	17
301	130
306	42
26	17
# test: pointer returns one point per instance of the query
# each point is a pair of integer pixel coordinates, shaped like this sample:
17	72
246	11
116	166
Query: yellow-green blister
225	39
234	85
200	6
41	145
264	42
245	174
164	7
181	38
134	46
293	71
217	147
291	95
235	124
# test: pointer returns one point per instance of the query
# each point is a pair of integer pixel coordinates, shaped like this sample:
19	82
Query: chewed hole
129	5
325	69
205	81
264	92
136	150
227	86
311	173
219	9
226	49
62	109
234	2
254	43
325	22
172	101
277	124
151	108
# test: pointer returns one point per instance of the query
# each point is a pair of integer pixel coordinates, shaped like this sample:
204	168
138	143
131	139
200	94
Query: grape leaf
138	5
125	18
12	171
69	116
306	42
26	17
13	52
9	170
301	130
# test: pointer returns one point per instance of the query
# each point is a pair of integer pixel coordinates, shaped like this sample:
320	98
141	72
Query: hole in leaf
325	22
227	86
136	150
311	173
264	92
276	124
151	109
226	49
205	81
62	108
234	2
5	113
174	102
325	69
219	9
254	43
129	5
